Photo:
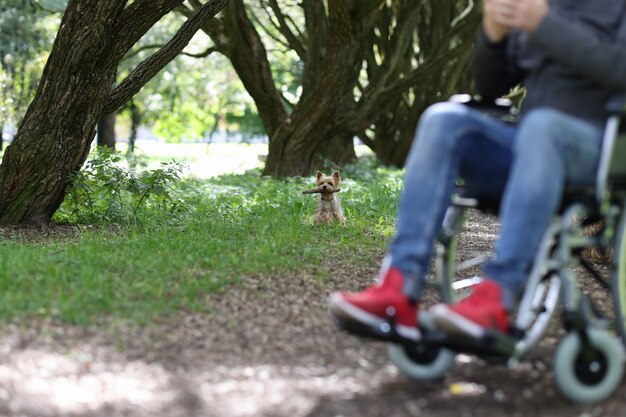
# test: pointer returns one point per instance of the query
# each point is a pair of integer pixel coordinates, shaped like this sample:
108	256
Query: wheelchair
589	360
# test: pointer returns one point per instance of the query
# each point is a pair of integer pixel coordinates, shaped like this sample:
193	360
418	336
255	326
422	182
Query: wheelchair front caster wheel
588	371
420	362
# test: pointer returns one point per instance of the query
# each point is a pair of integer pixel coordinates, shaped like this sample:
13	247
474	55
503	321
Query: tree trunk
55	135
237	38
135	119
394	135
106	130
327	88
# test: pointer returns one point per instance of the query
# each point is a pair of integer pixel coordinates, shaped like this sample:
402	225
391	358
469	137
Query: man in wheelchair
571	57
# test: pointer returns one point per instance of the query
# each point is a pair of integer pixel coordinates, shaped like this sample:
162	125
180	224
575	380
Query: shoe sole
451	322
349	312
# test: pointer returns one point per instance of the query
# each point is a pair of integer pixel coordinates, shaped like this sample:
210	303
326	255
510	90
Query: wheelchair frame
589	362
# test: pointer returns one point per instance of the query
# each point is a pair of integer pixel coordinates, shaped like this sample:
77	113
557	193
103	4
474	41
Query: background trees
319	73
365	69
75	90
26	34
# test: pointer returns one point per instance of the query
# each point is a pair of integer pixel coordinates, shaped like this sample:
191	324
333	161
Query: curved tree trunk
249	58
54	137
328	81
237	38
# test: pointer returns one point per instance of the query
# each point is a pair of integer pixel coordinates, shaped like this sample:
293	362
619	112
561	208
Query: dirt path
267	349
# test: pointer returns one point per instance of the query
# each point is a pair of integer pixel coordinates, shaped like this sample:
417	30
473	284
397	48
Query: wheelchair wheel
544	303
420	362
618	283
589	371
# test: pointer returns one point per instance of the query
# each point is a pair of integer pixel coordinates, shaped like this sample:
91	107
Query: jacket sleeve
575	46
494	72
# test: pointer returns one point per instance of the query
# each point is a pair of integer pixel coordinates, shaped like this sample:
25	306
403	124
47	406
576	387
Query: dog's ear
337	177
318	175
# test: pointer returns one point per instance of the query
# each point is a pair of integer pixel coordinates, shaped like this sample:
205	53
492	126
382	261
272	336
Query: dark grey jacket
574	62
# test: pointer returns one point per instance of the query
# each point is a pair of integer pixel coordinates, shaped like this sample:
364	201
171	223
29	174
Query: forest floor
268	348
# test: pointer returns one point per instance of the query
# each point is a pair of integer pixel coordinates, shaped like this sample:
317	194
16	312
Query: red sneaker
481	310
376	304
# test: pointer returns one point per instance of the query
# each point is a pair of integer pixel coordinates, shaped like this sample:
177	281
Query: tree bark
54	137
106	130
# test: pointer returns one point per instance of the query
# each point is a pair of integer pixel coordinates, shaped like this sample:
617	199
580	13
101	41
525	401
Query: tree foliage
195	94
26	33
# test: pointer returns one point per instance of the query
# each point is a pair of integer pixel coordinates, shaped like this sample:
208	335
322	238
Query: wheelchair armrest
611	169
501	108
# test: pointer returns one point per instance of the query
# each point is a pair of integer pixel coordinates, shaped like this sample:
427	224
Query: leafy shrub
106	191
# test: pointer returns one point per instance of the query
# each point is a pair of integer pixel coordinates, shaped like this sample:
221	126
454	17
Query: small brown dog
328	206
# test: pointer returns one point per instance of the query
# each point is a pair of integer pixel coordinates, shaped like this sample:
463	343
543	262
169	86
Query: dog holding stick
328	206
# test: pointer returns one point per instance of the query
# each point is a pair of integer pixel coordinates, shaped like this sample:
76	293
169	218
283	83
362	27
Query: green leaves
107	192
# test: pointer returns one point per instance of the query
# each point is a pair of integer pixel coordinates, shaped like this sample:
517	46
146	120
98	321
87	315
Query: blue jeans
526	167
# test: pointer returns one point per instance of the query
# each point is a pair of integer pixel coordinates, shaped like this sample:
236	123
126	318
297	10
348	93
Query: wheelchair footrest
492	345
383	334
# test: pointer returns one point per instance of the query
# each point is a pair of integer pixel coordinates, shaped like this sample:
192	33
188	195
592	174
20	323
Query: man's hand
523	15
494	30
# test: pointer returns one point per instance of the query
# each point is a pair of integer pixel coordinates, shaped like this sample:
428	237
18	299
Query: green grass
235	226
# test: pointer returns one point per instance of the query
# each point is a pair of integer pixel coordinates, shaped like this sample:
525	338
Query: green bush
107	192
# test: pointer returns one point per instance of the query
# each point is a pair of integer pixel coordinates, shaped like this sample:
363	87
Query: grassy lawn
212	232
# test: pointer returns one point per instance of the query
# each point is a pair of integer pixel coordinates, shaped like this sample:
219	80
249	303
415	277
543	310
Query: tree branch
202	54
317	33
136	20
151	66
363	113
141	49
279	40
208	51
380	94
283	27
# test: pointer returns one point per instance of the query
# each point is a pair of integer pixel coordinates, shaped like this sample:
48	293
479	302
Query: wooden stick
320	191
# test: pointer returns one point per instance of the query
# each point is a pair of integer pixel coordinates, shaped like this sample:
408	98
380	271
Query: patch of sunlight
43	383
36	382
463	358
260	390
